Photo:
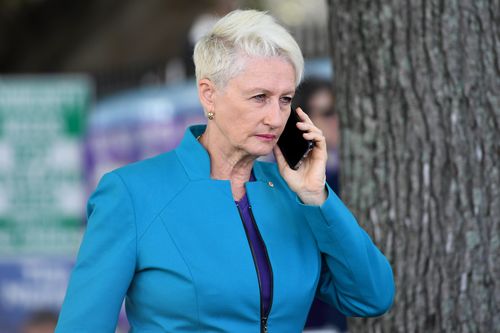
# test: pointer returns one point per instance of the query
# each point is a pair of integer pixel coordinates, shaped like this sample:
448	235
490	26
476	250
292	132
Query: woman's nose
274	114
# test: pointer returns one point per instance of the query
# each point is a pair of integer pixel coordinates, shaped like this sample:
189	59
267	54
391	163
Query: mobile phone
292	144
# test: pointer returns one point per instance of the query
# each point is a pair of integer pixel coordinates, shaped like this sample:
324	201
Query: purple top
259	251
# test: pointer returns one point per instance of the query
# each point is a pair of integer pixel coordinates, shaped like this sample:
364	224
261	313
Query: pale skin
250	112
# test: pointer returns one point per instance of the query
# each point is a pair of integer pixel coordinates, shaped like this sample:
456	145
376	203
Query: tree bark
417	87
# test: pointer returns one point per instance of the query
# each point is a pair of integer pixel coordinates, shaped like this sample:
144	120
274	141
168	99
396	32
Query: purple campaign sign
35	287
30	285
136	125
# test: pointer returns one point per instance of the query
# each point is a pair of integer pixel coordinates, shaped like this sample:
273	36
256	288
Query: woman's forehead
266	73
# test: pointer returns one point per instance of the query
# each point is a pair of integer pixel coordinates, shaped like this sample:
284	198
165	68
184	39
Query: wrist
314	198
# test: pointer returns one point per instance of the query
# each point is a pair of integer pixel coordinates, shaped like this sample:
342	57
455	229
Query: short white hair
239	34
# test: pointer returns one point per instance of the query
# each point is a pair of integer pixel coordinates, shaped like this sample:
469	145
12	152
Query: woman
207	239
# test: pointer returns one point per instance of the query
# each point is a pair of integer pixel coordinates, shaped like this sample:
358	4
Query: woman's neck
228	163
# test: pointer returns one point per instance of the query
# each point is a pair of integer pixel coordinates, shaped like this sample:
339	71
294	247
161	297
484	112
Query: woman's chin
261	151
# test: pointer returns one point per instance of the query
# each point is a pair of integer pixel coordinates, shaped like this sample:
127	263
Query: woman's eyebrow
268	92
258	90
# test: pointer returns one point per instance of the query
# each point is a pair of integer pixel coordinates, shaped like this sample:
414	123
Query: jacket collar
195	159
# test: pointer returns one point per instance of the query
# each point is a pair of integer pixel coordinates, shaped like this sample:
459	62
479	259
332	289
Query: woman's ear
206	92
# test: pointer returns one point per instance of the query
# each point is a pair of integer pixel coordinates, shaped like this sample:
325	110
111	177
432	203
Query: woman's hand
308	181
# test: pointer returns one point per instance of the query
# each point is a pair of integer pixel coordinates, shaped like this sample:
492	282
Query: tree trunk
417	86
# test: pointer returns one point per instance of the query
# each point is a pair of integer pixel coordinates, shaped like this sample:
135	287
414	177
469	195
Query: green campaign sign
41	163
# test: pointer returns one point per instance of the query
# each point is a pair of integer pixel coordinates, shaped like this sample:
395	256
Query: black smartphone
292	144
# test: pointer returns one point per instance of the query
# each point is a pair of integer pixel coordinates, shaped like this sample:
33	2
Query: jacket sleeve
105	264
356	277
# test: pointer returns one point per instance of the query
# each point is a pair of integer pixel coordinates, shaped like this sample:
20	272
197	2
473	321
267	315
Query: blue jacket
169	238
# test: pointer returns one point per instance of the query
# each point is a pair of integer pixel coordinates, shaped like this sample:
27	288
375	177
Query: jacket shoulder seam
162	209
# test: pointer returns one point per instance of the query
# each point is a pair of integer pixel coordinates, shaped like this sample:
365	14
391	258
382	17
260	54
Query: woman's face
253	107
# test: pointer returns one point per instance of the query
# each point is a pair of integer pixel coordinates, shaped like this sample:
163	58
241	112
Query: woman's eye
286	100
260	98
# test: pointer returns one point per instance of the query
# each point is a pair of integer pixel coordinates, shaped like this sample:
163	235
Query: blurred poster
31	288
138	124
41	189
42	192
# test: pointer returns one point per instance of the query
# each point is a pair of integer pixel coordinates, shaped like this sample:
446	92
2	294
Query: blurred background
85	87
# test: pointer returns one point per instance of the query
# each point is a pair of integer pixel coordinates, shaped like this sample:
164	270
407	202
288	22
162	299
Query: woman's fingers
317	138
308	127
303	116
311	132
306	123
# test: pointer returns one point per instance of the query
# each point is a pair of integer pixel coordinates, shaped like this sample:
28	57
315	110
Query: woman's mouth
266	137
